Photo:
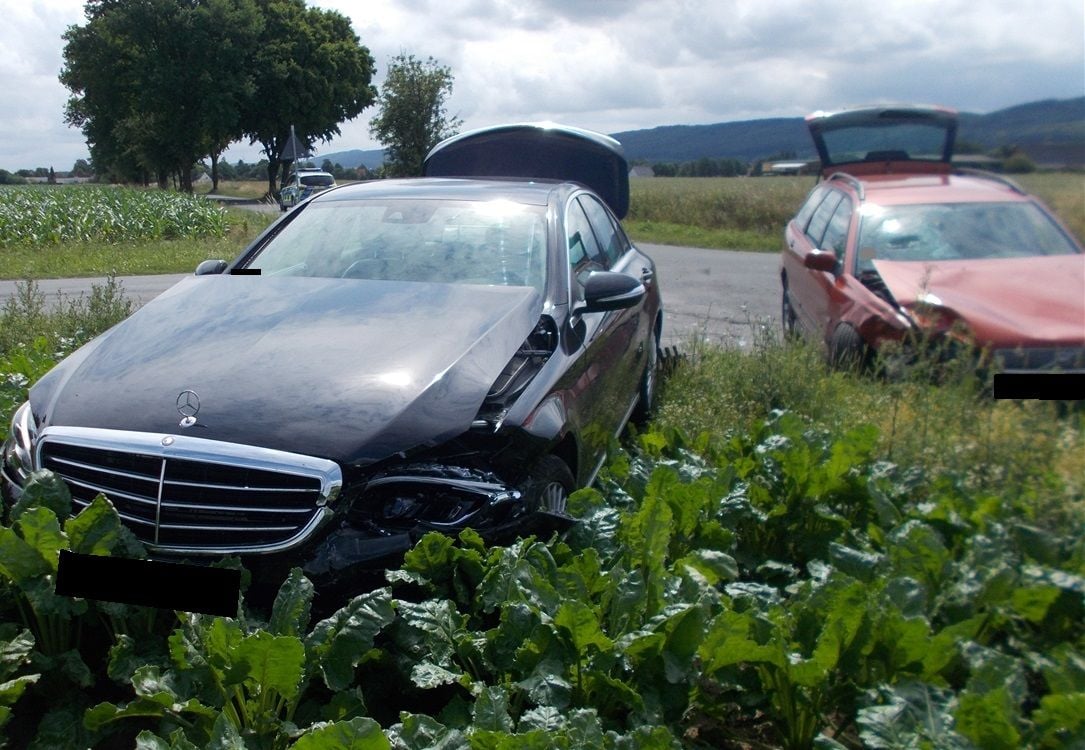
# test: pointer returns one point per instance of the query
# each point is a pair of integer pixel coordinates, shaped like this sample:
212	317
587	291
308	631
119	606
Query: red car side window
817	195
821	217
836	236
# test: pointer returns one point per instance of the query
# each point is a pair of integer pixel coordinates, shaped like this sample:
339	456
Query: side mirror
820	260
209	267
608	290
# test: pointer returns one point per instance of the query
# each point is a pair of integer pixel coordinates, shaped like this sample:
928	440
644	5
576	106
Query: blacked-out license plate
149	583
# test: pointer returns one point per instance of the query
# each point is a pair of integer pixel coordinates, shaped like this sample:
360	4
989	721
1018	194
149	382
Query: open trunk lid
884	139
537	151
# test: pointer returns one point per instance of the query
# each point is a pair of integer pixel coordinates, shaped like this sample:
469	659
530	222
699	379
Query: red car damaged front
1028	313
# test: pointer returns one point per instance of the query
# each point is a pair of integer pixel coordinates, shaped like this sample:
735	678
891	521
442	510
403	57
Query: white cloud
616	65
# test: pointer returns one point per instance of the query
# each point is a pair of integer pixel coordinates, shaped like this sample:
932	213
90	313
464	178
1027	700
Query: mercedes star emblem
188	406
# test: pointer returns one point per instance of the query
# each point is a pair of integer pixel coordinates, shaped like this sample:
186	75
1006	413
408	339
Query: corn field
55	215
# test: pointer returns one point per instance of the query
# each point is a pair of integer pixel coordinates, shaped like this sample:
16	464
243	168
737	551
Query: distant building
977	161
642	170
787	167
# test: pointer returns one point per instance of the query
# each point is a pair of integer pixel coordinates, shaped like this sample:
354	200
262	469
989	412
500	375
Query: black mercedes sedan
387	359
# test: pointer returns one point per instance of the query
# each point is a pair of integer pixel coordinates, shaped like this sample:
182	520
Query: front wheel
847	350
548	486
787	317
649	380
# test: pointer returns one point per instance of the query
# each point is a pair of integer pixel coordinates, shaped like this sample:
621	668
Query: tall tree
157	84
310	71
412	117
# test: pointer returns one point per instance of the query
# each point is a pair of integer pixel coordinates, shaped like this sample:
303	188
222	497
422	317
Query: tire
787	317
847	350
548	486
649	381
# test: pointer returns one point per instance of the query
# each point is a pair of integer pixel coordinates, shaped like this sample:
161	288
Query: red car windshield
957	231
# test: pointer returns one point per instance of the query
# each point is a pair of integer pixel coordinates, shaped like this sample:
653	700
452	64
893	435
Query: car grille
193	495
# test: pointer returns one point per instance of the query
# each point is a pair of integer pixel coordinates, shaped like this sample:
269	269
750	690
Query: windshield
317	180
457	242
957	231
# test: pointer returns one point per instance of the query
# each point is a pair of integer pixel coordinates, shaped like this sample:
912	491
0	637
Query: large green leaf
339	642
523	572
42	540
43	489
1060	720
290	612
357	734
267	662
15	653
647	536
146	740
491	710
988	719
421	732
729	641
910	716
581	624
96	530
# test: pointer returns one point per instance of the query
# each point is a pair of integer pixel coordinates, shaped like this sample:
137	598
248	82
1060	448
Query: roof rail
851	180
984	174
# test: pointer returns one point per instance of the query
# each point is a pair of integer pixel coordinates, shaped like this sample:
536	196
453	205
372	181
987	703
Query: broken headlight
521	369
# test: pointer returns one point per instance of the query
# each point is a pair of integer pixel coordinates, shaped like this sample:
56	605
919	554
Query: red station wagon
895	242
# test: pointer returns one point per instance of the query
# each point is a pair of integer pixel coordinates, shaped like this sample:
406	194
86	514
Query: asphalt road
721	296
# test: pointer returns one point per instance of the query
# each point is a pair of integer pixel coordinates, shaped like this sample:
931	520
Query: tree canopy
412	117
158	84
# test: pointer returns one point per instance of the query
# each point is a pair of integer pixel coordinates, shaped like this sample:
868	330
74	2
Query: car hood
350	370
1006	302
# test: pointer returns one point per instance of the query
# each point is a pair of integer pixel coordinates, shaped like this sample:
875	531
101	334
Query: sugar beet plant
780	589
54	215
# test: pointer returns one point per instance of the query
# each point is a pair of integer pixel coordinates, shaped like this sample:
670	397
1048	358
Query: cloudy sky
614	65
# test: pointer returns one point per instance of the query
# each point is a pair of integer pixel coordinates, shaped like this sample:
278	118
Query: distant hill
1051	131
353	159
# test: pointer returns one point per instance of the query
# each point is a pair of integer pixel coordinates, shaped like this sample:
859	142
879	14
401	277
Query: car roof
892	189
534	192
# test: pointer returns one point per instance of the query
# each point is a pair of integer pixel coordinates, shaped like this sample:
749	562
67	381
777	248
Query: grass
254	189
747	213
952	429
1063	192
33	337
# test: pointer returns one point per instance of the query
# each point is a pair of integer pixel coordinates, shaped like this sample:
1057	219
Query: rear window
886	142
317	180
958	231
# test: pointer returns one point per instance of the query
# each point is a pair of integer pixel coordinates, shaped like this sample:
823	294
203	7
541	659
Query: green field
61	232
50	232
